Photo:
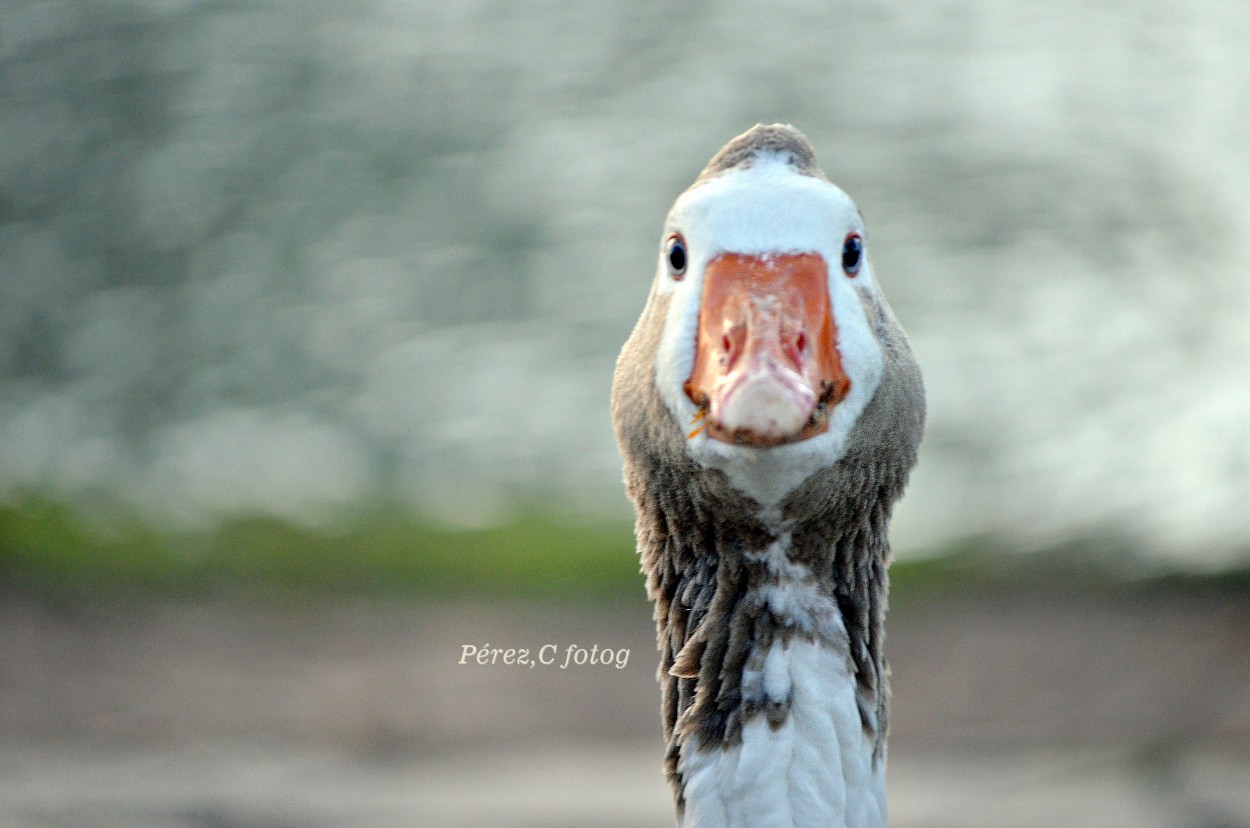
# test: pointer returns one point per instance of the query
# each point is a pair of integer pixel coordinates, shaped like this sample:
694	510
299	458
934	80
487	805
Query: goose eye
675	255
852	253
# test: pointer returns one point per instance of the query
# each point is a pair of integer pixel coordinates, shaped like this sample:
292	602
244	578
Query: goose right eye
852	254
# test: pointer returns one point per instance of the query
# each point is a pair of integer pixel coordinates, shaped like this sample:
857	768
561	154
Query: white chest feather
814	771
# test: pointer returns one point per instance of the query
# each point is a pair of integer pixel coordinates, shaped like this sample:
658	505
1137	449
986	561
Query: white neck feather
817	769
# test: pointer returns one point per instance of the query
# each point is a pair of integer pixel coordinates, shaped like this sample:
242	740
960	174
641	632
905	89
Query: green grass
47	547
1096	564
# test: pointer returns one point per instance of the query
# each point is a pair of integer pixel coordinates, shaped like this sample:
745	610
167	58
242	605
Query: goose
768	409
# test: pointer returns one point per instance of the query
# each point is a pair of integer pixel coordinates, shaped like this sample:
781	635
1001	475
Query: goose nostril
801	342
727	357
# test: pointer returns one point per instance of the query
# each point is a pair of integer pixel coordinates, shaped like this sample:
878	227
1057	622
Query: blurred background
311	308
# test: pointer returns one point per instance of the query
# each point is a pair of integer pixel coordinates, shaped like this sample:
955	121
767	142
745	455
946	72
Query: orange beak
766	369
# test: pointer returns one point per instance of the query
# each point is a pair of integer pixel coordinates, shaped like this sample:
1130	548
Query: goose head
766	338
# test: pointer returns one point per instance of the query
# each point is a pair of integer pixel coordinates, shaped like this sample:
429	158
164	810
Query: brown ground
1013	710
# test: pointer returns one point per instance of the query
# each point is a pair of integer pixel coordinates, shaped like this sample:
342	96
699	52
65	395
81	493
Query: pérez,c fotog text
548	655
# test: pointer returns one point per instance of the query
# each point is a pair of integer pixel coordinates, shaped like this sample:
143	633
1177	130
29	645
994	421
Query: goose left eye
852	253
675	255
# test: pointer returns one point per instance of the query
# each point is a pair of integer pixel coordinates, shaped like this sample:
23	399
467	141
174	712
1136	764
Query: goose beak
767	369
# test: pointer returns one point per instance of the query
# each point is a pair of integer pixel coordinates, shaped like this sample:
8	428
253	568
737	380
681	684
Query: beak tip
764	406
